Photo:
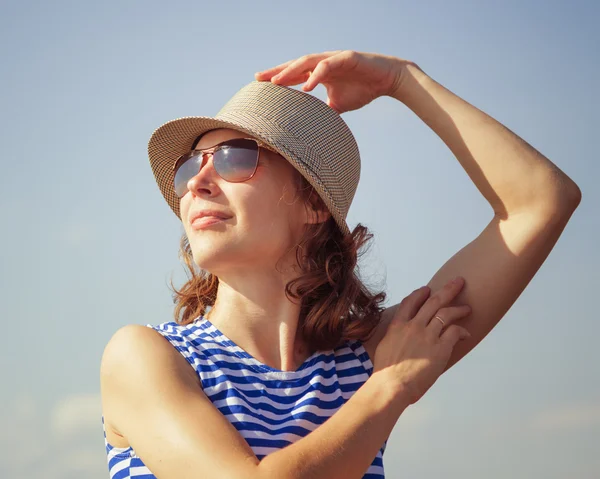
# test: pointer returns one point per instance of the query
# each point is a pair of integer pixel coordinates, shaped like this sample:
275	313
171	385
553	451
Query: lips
205	217
205	222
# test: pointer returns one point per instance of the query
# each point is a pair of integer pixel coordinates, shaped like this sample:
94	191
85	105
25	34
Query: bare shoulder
137	348
134	357
152	398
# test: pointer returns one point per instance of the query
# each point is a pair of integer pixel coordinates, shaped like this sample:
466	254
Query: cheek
271	211
184	206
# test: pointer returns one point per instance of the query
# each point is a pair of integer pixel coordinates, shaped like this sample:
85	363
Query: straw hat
299	126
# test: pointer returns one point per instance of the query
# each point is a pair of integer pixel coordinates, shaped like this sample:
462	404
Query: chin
206	259
212	254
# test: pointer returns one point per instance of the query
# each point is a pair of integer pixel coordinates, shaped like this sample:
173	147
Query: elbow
568	194
561	201
575	196
567	199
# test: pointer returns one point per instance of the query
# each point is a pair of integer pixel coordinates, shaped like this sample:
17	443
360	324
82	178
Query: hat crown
309	121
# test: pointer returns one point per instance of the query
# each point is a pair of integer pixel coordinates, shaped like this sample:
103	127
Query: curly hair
335	305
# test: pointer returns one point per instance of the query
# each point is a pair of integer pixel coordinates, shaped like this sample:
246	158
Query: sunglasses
234	160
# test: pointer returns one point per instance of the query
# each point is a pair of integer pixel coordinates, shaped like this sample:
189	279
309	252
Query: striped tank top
270	408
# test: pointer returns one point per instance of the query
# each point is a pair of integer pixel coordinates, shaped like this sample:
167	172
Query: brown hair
335	304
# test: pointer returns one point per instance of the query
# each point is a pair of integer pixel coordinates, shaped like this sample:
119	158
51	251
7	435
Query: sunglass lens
186	170
237	160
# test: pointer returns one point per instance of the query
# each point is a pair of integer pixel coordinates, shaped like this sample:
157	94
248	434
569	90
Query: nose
203	181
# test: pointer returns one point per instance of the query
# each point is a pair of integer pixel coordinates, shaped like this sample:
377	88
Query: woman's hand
417	346
352	79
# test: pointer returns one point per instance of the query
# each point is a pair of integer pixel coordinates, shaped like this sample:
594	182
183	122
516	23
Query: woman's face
266	215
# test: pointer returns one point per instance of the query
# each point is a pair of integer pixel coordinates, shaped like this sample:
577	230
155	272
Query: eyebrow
217	144
207	147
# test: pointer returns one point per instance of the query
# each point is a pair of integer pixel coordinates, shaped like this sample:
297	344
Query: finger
293	80
320	73
438	300
276	70
409	306
299	67
267	74
454	334
323	70
448	315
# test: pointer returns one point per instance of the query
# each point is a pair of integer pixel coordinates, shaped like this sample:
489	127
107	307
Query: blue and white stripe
270	408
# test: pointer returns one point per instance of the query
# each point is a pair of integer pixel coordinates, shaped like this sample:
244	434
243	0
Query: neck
254	312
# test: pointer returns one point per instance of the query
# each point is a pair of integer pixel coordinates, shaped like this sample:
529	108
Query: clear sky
88	244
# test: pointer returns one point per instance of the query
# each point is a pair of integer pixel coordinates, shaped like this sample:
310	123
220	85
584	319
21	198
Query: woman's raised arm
532	199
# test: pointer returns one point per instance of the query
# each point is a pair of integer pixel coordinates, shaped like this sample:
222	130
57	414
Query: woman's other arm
152	397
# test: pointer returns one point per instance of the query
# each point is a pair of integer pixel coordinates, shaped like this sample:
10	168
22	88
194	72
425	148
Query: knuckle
447	294
397	323
411	327
453	332
324	64
398	317
435	301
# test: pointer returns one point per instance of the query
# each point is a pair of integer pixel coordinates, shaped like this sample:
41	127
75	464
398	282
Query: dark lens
236	160
186	168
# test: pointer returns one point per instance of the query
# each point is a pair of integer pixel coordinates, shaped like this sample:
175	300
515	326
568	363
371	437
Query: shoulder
136	364
132	344
136	351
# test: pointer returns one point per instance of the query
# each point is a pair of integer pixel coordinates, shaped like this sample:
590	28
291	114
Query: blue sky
89	245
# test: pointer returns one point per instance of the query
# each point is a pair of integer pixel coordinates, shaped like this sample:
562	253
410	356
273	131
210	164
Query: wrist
390	391
408	76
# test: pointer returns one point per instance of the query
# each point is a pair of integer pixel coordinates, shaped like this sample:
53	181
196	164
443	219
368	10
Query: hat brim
176	137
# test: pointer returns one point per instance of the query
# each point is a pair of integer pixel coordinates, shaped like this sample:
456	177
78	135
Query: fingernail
456	280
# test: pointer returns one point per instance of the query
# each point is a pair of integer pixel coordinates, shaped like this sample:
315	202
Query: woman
267	371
